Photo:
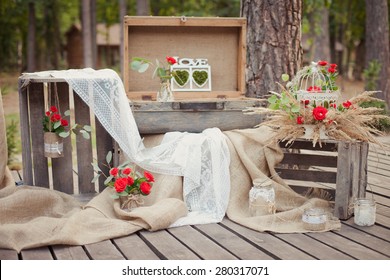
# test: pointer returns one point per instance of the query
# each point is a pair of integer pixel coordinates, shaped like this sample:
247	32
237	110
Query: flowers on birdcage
125	179
288	113
319	76
162	70
54	122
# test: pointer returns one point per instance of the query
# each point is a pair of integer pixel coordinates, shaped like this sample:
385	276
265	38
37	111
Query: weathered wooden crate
338	167
72	173
222	41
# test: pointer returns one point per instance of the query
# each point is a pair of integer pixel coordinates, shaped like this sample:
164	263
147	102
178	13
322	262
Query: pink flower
171	60
120	184
114	171
149	177
126	171
299	120
145	188
319	113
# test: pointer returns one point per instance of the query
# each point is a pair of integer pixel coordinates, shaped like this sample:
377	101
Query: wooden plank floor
229	241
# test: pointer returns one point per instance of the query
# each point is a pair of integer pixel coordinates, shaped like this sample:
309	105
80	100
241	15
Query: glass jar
364	212
314	219
261	198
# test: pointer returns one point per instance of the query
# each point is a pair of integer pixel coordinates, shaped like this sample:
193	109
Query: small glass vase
165	93
130	202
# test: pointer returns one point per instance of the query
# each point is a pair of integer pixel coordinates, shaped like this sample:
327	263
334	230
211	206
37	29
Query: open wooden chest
222	41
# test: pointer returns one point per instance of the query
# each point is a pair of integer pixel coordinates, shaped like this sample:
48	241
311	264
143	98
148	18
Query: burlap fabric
33	216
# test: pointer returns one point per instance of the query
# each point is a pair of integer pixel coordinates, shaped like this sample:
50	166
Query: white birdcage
313	85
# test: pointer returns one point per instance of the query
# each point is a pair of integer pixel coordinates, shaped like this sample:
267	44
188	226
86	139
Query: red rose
299	120
333	65
64	122
347	104
48	113
130	180
53	109
126	171
171	60
331	70
120	184
149	177
322	62
319	113
145	188
313	88
114	171
55	118
332	105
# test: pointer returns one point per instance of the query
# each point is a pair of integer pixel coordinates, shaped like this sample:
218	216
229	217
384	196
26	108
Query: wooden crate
338	167
220	40
72	173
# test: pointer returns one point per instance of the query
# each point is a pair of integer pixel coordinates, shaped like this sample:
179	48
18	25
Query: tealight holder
314	219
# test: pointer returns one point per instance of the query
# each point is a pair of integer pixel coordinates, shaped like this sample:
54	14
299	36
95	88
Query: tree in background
273	42
31	40
377	44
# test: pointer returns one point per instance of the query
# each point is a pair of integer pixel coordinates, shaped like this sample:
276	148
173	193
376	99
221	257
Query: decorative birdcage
315	85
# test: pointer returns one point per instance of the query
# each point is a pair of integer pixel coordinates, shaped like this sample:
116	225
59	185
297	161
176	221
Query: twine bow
132	201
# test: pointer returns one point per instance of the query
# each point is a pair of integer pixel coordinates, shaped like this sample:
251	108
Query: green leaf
115	196
295	108
95	178
64	134
84	134
285	77
96	168
109	157
143	67
87	128
284	99
108	179
274	106
135	65
273	99
67	113
56	125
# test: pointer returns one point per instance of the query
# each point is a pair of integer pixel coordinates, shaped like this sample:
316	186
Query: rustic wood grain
64	252
134	248
104	250
42	253
62	167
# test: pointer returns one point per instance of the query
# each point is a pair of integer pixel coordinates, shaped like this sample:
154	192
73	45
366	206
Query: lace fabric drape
201	158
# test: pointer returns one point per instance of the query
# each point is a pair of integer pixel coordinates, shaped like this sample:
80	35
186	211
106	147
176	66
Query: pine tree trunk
31	58
273	43
143	8
87	35
377	43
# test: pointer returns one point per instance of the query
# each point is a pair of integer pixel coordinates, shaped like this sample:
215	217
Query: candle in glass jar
364	212
262	198
314	219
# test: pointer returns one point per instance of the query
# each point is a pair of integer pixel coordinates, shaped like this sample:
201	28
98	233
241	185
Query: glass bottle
364	212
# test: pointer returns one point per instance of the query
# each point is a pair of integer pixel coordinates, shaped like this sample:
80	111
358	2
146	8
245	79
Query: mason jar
314	219
364	212
262	198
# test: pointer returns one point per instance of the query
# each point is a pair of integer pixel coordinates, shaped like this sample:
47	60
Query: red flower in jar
114	171
299	120
322	63
120	184
126	171
171	60
319	113
145	188
314	89
149	177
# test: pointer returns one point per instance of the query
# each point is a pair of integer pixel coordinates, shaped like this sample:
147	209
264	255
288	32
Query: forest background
34	36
